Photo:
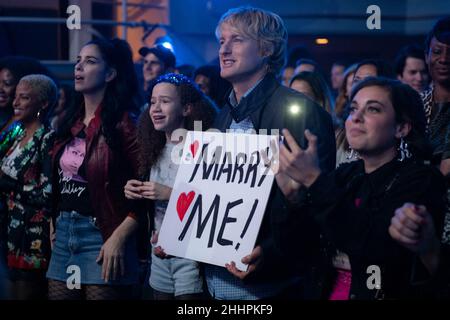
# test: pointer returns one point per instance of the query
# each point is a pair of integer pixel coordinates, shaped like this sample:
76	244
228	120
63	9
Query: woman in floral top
25	184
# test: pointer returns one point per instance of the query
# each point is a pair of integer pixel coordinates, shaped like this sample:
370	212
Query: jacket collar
94	124
255	100
380	180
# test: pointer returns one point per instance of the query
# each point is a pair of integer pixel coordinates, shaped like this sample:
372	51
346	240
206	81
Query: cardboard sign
219	197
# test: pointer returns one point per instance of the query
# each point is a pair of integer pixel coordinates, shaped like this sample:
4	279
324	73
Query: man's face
415	74
152	67
241	60
438	60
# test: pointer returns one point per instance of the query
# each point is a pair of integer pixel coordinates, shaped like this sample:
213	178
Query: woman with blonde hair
25	182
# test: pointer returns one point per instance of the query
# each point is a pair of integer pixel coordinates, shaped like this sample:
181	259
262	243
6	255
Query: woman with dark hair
25	184
364	69
344	92
312	85
354	205
175	104
66	94
212	84
340	110
373	68
95	224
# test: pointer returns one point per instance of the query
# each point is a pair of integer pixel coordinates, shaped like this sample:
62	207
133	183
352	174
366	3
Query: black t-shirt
73	186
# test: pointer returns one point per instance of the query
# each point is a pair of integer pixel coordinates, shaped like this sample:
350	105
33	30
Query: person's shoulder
49	137
426	93
349	168
412	165
219	121
418	170
290	97
288	93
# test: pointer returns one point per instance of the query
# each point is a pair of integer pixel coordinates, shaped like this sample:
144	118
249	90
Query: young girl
175	103
360	207
94	155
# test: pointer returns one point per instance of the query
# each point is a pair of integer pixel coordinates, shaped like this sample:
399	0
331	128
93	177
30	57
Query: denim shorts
177	276
78	243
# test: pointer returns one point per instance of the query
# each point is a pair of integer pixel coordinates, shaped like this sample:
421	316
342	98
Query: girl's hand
155	191
157	251
132	189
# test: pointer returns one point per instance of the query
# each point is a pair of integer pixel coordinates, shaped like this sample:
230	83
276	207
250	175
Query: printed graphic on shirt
71	160
73	185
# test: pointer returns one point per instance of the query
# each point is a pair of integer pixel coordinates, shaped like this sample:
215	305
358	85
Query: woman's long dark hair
219	87
408	107
120	95
319	87
151	141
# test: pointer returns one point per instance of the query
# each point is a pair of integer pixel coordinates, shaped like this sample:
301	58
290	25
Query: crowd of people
361	180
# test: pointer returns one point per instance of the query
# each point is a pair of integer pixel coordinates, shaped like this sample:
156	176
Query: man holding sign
252	52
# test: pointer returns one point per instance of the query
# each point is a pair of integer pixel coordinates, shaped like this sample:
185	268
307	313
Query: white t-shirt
164	172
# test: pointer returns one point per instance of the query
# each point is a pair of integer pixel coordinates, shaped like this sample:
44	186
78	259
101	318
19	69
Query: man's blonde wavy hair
263	26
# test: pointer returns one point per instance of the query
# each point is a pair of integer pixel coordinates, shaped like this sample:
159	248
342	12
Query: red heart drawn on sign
194	148
183	203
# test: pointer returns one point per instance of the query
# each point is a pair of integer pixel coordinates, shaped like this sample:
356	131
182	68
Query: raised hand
286	184
301	165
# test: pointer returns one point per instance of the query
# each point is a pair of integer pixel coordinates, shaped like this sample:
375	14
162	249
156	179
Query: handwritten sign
219	197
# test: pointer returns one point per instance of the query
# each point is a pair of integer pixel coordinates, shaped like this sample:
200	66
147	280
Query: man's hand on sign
132	189
252	260
155	191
